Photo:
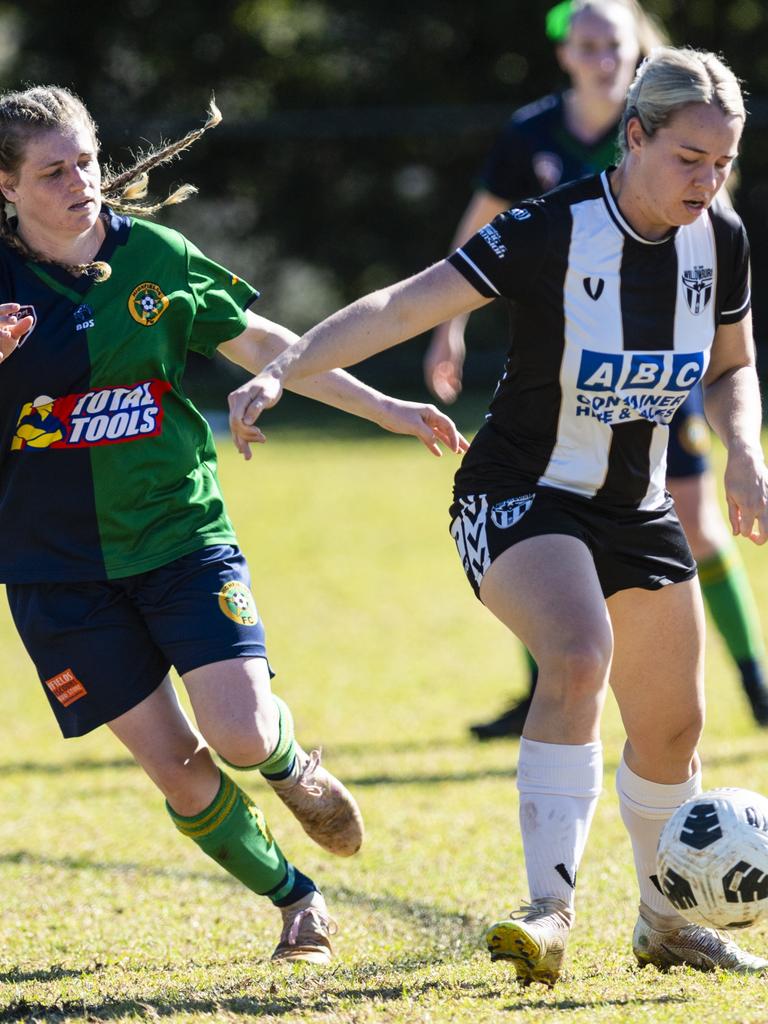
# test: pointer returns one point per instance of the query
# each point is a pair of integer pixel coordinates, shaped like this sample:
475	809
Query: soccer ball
712	858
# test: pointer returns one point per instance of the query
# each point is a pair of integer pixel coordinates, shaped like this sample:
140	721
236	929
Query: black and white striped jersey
611	333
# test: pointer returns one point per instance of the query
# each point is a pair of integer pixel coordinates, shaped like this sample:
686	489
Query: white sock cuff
653	799
559	768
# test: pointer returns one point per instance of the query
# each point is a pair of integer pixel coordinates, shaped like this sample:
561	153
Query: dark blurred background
351	134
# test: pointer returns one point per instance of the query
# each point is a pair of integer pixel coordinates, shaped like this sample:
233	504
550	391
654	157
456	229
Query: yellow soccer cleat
533	939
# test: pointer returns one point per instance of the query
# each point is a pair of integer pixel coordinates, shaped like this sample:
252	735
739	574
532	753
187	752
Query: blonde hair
648	33
671	78
43	108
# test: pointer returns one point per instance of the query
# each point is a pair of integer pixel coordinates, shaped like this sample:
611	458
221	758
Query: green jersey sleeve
221	299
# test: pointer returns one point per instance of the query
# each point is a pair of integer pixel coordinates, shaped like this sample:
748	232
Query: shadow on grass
62	768
452	924
16	975
274	1006
732	759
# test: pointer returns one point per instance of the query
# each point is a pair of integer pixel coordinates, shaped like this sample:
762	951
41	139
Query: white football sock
559	785
645	809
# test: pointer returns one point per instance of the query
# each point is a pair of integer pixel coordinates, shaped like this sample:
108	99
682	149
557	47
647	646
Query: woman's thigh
546	590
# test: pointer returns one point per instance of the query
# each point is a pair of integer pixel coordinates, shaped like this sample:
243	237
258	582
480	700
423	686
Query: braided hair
43	108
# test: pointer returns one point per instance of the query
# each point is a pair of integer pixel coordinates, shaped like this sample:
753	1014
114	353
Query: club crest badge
698	288
510	511
147	303
236	602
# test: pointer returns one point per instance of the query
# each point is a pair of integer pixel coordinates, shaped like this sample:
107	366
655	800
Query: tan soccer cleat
692	945
326	809
307	928
533	939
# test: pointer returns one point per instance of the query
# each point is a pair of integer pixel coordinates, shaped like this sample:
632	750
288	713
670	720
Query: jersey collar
117	230
621	223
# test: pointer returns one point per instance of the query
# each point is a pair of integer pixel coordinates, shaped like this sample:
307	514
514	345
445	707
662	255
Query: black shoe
756	690
758	701
510	723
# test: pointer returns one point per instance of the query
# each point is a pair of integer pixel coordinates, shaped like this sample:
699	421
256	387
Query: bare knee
669	745
578	669
245	740
188	783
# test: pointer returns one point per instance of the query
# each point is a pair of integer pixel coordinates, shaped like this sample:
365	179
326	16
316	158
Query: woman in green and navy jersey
118	555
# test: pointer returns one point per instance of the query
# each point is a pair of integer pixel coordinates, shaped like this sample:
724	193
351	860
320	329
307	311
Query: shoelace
711	935
541	908
307	777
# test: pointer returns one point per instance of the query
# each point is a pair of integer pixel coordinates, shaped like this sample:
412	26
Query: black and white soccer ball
712	858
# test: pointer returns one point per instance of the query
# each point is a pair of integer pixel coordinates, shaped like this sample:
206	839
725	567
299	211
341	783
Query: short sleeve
734	298
508	170
221	300
505	257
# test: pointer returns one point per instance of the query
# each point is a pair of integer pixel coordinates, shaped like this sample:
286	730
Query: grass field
106	914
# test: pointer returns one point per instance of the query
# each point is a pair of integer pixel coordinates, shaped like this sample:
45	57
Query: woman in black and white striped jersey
631	287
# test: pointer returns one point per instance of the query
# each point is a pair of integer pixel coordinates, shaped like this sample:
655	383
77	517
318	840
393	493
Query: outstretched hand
12	329
746	489
425	422
246	404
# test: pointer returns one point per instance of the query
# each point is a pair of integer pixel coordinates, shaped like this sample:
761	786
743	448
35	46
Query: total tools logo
108	415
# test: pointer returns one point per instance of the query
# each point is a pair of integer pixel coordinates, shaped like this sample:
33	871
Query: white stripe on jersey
478	271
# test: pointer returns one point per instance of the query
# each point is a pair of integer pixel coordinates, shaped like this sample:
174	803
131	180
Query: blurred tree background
351	131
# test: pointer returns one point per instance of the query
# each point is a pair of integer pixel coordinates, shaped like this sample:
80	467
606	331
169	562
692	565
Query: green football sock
232	831
731	603
280	762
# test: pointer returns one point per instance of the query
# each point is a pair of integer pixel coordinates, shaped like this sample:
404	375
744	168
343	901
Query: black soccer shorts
630	548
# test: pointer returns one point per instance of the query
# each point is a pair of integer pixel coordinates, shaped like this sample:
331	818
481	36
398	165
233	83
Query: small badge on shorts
236	601
510	511
66	687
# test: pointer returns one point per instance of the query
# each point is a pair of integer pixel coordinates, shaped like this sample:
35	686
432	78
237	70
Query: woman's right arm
369	325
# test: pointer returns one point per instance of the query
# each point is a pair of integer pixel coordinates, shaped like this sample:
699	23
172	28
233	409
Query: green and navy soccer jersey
106	467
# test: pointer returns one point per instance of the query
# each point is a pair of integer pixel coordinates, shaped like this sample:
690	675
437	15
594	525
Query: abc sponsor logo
629	385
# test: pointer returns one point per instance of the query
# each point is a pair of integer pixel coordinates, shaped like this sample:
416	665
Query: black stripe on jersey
629	464
648	296
732	249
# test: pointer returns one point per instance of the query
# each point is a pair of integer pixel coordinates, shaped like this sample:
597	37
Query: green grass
385	657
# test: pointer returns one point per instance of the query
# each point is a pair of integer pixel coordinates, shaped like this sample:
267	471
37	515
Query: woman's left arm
733	408
262	341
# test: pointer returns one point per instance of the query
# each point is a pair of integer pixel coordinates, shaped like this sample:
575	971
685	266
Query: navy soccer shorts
629	548
101	648
689	438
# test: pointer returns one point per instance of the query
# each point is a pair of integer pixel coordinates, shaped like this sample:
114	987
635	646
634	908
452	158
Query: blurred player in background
118	555
560	138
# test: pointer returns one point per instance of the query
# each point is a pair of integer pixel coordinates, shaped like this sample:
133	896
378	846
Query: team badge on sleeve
147	303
